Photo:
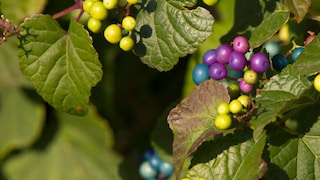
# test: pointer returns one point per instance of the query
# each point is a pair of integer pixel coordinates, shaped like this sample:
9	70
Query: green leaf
78	149
167	30
62	66
192	120
296	157
10	73
308	61
21	119
230	157
257	20
17	10
298	7
284	93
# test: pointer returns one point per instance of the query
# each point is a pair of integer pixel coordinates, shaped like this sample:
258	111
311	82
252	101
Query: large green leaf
286	93
192	120
257	20
296	157
298	7
230	157
308	61
17	10
21	119
167	30
62	66
80	148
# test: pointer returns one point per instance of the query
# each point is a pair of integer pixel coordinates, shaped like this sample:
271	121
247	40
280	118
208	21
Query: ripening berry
113	33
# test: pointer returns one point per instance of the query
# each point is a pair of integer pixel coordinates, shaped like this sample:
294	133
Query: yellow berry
126	43
128	23
113	33
98	11
94	25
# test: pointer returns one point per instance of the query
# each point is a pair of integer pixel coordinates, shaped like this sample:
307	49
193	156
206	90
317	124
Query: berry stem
77	5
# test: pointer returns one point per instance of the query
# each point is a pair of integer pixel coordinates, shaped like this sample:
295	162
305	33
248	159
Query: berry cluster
113	33
231	61
226	111
153	167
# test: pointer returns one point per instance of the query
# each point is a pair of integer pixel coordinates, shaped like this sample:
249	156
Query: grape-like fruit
223	53
272	47
235	106
223	121
155	162
110	4
223	108
250	76
209	57
241	44
128	23
94	25
279	62
132	1
244	100
148	154
316	82
210	2
87	4
296	52
309	39
245	87
200	73
126	43
217	71
237	61
259	62
234	73
146	171
166	169
113	33
233	90
98	11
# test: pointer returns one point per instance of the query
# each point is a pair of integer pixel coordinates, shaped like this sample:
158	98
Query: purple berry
241	44
237	61
259	62
217	71
209	57
245	87
223	53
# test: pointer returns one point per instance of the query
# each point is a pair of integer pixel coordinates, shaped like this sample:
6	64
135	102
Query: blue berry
272	47
200	73
296	52
166	169
233	73
146	171
155	162
279	62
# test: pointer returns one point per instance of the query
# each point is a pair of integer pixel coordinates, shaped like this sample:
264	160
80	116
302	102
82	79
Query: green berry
210	2
250	76
126	43
233	91
223	121
132	1
244	100
87	4
235	106
316	83
223	108
113	33
98	11
110	4
128	23
94	25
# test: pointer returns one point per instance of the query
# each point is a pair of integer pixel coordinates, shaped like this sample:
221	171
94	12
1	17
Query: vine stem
77	5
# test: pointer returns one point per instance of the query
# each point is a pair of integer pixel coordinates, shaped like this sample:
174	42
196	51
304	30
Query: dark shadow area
247	14
211	149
